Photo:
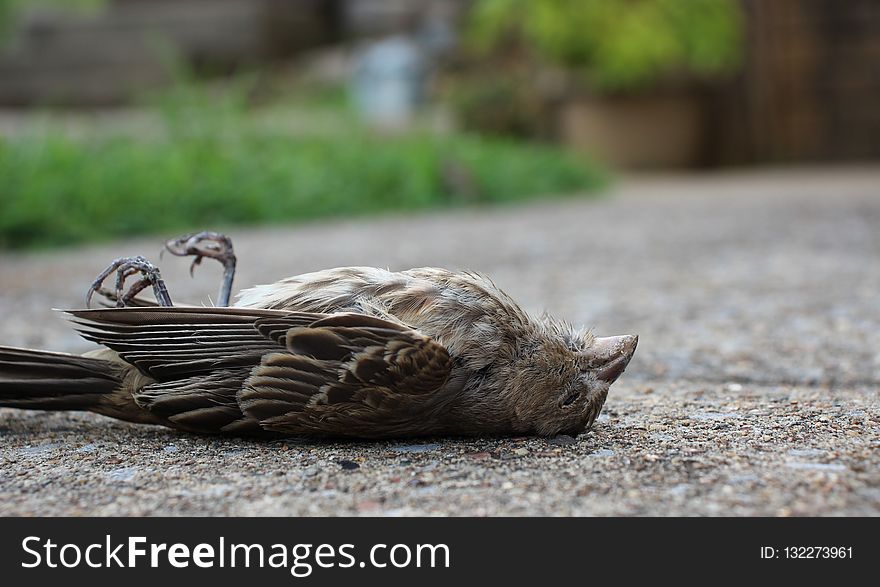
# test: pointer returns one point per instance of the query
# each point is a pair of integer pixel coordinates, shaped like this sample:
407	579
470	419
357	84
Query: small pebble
480	455
416	448
604	452
561	440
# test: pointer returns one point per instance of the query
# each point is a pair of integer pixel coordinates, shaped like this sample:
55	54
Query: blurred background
700	172
120	117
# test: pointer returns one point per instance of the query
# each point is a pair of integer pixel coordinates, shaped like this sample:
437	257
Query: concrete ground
755	389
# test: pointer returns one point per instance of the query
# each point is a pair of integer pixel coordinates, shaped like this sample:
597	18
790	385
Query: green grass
56	190
214	162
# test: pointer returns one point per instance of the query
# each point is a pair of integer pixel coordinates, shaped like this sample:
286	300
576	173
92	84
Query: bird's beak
612	354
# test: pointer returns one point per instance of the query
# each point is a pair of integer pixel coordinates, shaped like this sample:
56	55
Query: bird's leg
125	267
212	245
140	285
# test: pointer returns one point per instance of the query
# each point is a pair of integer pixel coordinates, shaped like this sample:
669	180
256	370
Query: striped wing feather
240	370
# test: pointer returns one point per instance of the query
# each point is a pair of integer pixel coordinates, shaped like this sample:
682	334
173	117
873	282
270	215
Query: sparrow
350	352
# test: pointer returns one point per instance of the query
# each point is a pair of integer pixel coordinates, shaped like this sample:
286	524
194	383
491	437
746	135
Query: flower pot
650	131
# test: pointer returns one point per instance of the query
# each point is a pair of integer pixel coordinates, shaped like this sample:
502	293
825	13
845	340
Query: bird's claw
212	245
192	267
202	244
126	267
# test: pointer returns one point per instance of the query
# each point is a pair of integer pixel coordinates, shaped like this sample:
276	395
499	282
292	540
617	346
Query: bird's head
561	379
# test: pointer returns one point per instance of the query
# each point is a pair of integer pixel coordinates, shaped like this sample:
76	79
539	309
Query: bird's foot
126	267
212	245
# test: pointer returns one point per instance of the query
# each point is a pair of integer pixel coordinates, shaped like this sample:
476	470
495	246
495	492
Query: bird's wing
347	375
174	343
238	369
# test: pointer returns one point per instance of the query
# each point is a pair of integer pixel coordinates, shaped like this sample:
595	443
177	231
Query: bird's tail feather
42	380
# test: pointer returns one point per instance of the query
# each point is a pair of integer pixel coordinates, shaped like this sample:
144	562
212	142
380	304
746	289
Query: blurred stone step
105	57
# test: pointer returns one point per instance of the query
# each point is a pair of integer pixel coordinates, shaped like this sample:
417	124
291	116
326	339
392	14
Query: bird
349	353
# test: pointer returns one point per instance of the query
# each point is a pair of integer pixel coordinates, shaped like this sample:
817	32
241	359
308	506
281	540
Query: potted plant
621	79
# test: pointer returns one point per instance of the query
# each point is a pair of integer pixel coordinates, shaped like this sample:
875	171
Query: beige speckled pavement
755	390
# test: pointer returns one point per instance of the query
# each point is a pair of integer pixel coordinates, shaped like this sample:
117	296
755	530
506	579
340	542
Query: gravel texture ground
755	389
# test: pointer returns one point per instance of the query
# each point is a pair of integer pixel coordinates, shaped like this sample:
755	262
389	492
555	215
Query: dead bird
354	352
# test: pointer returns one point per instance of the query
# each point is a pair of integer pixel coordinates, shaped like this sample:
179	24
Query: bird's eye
571	398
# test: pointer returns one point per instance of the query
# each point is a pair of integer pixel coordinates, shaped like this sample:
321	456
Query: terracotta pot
635	132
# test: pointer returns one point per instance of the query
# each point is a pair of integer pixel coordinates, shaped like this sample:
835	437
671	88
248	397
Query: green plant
211	162
499	103
57	190
617	44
